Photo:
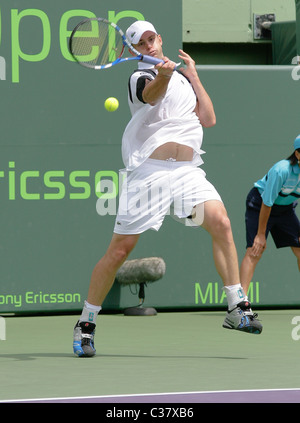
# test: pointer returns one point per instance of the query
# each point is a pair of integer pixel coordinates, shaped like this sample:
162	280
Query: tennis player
161	149
270	207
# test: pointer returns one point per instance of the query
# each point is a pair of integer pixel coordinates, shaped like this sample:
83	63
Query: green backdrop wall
58	142
298	25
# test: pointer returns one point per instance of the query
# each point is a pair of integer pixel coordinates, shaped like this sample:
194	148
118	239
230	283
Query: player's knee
118	256
222	225
220	228
119	252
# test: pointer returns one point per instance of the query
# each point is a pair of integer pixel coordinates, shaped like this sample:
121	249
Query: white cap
137	29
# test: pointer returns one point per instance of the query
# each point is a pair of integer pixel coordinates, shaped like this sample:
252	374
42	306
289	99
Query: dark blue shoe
83	340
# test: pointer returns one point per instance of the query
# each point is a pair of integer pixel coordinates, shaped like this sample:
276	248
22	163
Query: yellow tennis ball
111	104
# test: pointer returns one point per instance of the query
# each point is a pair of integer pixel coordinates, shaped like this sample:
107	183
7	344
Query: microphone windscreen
142	270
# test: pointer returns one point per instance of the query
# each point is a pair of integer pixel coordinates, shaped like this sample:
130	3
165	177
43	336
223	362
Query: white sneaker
242	318
83	339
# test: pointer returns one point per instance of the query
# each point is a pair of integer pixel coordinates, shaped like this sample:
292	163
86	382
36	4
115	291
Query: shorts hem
134	232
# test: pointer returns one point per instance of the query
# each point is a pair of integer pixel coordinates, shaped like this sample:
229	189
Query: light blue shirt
281	185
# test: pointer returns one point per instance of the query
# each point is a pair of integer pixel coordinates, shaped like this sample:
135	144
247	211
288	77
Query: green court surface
171	352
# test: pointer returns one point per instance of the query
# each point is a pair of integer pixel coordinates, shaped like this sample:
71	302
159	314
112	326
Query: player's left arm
204	108
260	242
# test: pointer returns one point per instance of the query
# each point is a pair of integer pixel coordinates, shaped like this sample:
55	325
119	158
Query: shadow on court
33	356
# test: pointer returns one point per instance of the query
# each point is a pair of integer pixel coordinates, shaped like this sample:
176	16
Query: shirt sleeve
136	85
275	179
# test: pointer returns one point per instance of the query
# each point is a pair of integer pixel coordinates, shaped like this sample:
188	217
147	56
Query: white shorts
158	188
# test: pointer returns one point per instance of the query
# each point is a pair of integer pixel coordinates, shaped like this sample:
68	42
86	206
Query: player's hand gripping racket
99	44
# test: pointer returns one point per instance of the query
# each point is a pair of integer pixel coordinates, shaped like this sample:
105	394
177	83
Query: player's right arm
156	89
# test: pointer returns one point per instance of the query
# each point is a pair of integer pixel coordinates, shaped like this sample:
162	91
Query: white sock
89	313
235	294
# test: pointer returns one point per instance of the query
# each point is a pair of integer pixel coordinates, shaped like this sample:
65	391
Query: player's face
150	44
297	153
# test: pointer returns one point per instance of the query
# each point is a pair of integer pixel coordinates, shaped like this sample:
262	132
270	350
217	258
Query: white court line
150	394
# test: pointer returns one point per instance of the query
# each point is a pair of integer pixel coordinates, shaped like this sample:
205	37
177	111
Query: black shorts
283	222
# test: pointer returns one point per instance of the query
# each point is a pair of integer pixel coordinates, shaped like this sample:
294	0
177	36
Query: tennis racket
99	44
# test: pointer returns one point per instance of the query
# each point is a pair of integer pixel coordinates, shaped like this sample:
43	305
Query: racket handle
152	60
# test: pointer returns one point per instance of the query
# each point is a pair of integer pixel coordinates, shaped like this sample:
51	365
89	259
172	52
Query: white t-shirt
172	119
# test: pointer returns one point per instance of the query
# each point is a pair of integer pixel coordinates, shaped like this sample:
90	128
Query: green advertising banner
58	144
60	155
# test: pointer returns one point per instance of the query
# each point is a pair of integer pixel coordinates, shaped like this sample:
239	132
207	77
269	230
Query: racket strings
96	43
